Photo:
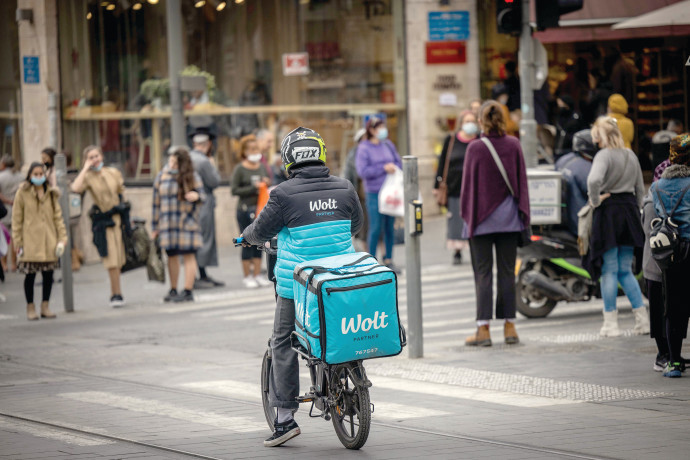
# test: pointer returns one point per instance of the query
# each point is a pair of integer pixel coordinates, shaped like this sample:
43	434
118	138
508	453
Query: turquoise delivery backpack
346	308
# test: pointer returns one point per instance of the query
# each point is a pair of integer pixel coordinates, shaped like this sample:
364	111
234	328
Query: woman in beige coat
107	187
39	235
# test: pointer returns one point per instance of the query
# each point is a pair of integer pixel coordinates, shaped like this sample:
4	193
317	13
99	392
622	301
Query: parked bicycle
338	391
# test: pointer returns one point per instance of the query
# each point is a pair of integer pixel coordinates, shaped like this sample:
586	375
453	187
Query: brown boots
31	312
45	312
482	338
510	334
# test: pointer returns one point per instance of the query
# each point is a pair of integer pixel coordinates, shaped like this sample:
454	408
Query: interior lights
153	2
239	1
221	6
89	16
200	3
110	7
137	6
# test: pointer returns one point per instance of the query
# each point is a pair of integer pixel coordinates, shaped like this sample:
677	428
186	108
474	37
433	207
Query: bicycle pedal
304	399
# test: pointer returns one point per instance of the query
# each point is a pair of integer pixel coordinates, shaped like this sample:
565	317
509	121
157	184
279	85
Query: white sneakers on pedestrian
641	321
250	282
610	327
263	281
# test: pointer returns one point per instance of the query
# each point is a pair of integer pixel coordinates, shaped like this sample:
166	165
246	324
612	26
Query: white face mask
254	158
470	128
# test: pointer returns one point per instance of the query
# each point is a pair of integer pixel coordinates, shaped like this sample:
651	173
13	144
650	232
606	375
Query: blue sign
32	74
449	25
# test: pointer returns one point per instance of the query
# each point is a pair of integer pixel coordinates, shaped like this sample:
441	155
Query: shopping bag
137	245
263	198
154	264
391	195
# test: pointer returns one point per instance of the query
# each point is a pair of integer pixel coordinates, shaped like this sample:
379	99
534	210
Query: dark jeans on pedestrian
657	322
481	249
245	216
677	306
47	285
379	222
284	378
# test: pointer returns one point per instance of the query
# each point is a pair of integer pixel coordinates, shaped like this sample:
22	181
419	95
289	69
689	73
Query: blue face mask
173	171
382	133
470	128
99	167
38	180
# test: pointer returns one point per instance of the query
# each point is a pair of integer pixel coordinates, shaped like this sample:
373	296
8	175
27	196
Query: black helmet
301	146
583	144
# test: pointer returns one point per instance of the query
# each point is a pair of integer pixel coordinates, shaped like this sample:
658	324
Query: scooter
549	270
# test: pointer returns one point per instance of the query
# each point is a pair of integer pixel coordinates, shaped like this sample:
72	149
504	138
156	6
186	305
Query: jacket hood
618	104
309	171
676	172
54	190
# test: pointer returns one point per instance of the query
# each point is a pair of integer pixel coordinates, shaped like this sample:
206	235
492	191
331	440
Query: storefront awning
593	22
677	14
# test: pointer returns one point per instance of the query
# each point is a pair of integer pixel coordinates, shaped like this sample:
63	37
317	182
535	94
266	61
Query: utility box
545	192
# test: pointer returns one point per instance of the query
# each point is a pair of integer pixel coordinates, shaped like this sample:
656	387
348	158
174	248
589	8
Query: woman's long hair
185	175
606	133
491	117
33	166
244	144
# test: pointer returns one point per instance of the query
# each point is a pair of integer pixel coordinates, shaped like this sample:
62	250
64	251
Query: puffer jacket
314	215
674	179
37	225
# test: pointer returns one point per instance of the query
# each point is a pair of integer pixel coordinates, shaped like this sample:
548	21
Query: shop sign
447	83
295	64
446	53
32	75
449	25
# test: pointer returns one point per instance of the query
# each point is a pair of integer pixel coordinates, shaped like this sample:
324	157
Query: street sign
446	53
295	64
449	25
32	75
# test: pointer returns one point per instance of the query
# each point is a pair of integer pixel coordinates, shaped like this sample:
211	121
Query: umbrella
677	14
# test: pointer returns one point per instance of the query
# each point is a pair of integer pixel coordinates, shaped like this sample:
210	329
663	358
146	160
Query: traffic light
550	11
509	16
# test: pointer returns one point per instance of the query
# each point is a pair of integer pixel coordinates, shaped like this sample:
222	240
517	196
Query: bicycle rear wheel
269	412
351	413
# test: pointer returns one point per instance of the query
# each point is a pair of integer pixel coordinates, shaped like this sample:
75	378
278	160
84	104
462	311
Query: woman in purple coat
494	217
376	158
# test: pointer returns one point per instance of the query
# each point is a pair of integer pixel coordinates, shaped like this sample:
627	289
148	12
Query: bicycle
339	391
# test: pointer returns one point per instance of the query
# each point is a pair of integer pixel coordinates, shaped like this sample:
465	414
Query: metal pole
528	126
53	120
66	262
175	63
415	338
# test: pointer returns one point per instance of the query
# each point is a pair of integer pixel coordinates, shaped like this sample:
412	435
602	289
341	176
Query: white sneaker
250	283
641	321
263	281
610	327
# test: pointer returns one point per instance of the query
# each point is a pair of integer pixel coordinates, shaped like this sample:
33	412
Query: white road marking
2	317
158	408
395	411
233	388
458	392
16	426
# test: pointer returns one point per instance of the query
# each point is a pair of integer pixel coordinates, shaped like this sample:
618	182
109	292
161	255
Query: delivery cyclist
314	215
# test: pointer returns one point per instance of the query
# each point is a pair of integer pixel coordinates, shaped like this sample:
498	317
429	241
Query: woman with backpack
616	191
39	235
671	195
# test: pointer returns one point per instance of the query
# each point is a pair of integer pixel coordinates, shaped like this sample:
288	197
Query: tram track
158	447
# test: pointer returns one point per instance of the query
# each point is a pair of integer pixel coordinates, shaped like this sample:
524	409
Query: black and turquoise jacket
314	215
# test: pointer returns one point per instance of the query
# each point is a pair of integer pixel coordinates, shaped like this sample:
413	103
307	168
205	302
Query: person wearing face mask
39	235
108	215
48	159
376	158
246	180
205	167
450	166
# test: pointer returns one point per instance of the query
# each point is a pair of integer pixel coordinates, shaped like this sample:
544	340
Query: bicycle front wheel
351	413
269	412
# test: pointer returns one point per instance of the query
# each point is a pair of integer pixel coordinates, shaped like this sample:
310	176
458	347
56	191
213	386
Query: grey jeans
284	378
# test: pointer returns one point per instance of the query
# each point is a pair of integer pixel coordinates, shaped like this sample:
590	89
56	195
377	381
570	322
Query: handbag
442	197
154	263
525	236
584	228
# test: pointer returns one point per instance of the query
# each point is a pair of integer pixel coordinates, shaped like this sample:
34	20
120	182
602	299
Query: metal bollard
66	262
413	266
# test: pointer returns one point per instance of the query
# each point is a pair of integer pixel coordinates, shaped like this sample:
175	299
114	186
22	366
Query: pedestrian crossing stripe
52	433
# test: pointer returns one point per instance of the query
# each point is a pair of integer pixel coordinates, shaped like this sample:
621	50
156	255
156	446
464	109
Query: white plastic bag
391	195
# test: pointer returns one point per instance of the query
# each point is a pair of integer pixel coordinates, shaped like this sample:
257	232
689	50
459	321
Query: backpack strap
499	163
663	206
680	200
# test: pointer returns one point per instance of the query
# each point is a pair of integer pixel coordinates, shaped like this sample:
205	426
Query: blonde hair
605	132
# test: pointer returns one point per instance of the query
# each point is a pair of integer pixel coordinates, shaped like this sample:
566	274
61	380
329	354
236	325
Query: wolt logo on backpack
322	205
